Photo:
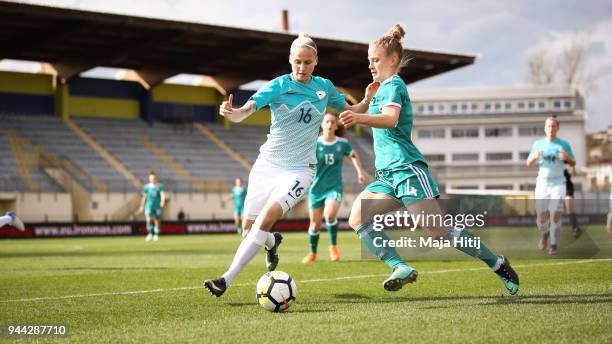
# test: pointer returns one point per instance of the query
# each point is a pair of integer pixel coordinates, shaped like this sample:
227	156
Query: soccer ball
276	291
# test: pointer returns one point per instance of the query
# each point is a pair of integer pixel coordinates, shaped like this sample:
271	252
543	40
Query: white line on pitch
138	292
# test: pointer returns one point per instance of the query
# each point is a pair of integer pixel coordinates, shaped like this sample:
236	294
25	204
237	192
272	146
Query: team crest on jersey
321	94
338	149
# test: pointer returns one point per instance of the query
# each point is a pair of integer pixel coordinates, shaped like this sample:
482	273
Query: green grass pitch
120	290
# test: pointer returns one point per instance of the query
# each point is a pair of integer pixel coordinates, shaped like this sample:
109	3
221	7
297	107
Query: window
430	108
474	106
508	106
487	106
435	157
464	107
527	187
465	187
498	132
499	156
420	108
465	157
464	132
557	104
531	131
431	133
498	187
541	105
531	105
497	106
441	108
567	104
454	108
521	105
523	155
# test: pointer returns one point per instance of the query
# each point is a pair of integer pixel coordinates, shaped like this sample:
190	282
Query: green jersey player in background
152	202
402	174
326	190
238	196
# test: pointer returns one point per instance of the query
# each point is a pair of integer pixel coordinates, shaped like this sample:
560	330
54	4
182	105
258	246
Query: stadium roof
74	41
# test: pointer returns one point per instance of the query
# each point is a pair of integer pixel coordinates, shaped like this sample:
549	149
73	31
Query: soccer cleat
577	232
155	237
402	274
553	250
310	258
508	276
149	237
271	254
543	241
16	222
216	287
334	254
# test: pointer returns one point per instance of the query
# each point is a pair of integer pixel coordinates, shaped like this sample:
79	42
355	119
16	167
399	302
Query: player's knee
354	220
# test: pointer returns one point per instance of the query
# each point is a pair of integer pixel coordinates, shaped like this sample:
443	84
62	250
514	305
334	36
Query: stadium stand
59	146
185	160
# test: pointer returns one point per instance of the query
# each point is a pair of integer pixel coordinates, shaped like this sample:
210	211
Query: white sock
270	241
246	251
555	229
542	226
4	220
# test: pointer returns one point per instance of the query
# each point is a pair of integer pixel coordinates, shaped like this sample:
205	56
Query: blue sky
502	33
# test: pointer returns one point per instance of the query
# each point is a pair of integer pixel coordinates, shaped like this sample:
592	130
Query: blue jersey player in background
551	154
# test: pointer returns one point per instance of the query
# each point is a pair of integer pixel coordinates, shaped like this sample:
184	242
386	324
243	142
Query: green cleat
508	276
402	274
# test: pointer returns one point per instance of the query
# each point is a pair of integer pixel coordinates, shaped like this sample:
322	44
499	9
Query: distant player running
238	195
402	174
284	169
11	219
550	153
152	202
326	191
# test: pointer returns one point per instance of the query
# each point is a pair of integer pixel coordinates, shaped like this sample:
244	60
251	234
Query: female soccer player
238	195
401	170
152	203
325	194
284	169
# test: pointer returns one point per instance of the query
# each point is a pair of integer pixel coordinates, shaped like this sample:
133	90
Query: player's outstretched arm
236	114
386	119
362	106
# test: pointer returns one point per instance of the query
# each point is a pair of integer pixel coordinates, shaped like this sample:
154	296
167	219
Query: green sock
387	254
149	228
313	240
332	229
483	253
156	229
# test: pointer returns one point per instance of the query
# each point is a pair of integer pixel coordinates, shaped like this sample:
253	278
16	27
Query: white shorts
285	186
549	197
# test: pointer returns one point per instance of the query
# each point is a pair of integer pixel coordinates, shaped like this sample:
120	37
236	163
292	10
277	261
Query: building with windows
479	139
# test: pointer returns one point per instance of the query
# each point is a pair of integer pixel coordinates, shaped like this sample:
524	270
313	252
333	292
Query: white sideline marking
137	292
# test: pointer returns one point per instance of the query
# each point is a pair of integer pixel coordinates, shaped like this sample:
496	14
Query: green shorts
238	210
317	198
408	184
154	213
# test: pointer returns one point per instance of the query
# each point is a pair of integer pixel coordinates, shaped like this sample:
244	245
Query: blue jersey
551	168
297	112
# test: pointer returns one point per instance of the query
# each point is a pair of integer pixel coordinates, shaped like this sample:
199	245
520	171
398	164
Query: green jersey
153	194
330	157
239	194
393	147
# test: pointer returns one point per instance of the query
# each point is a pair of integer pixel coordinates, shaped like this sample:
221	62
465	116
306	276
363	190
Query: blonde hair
392	43
303	41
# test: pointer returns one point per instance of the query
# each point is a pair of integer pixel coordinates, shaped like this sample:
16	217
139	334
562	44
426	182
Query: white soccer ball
276	291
